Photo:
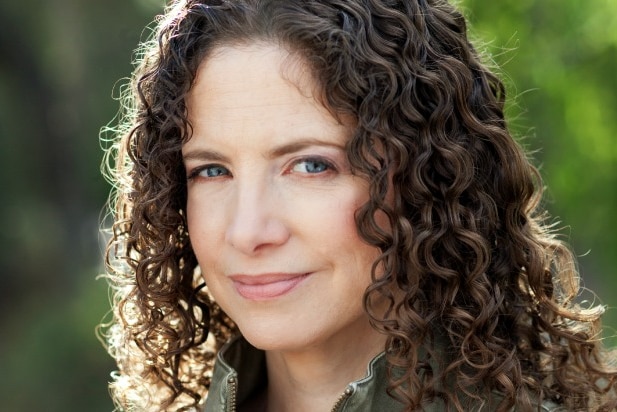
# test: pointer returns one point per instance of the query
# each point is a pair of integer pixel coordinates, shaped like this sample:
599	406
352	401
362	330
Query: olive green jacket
240	371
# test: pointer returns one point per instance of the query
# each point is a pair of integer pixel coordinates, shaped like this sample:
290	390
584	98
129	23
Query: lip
266	286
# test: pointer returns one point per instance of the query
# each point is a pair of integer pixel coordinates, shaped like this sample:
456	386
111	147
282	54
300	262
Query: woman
323	199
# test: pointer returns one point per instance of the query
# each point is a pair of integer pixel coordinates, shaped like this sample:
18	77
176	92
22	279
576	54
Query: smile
268	286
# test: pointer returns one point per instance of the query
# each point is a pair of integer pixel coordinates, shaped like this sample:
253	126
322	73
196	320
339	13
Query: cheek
193	223
202	227
341	235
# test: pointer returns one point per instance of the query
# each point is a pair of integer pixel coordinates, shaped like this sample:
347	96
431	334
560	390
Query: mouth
267	286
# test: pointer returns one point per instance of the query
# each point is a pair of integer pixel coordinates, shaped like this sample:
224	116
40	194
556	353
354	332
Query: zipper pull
341	399
232	389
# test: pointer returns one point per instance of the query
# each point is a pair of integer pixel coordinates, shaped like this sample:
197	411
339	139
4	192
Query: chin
277	338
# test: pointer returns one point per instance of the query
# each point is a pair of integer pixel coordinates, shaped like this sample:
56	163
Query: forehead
246	68
258	89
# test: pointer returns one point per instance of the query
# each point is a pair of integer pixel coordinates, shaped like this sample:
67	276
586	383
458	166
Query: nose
255	222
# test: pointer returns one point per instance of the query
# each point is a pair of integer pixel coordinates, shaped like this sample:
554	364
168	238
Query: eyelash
198	170
329	166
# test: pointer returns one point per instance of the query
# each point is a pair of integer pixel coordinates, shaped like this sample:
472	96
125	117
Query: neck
313	379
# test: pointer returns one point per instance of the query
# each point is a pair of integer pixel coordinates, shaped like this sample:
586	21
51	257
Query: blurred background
60	62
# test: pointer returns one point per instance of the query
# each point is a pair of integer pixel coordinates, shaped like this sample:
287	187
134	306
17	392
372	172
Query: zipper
341	399
232	389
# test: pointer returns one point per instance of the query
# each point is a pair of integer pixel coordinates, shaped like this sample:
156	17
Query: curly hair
468	256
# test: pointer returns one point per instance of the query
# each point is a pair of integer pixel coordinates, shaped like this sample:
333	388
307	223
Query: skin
271	204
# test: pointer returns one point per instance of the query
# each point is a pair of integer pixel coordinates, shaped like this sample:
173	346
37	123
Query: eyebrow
298	145
204	154
284	149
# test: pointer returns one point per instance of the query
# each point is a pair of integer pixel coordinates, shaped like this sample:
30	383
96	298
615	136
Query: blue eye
311	166
208	172
214	171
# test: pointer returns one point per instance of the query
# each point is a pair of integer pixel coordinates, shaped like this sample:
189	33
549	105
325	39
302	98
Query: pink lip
267	286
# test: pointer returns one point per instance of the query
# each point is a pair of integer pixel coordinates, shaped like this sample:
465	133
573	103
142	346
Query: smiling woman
264	225
319	207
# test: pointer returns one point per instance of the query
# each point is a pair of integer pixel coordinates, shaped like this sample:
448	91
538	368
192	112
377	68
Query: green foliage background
60	60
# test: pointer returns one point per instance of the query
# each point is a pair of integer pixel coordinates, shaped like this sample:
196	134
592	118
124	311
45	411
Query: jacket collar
240	371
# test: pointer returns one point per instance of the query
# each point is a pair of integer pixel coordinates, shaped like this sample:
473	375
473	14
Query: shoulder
537	406
546	406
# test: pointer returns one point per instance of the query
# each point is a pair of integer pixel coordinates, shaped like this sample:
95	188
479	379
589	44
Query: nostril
254	227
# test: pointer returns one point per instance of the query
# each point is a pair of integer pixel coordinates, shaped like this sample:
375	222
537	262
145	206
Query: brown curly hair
468	258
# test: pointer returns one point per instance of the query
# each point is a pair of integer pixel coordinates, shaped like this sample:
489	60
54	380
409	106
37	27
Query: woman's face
271	202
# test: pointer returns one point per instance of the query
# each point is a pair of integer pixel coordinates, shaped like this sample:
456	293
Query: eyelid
195	171
314	158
